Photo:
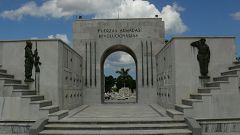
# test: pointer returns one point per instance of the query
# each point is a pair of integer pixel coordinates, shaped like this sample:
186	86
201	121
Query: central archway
105	54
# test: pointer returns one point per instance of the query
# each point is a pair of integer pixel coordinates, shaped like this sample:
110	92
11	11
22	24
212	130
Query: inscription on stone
118	33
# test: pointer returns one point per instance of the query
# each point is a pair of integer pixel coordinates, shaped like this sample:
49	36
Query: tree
132	85
124	79
110	81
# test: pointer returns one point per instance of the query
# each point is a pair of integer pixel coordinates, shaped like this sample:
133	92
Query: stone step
117	121
42	103
181	107
4	75
159	109
73	112
21	92
199	95
207	90
223	78
230	72
190	101
58	115
115	126
34	97
236	66
175	114
3	71
118	132
18	86
11	81
215	84
51	109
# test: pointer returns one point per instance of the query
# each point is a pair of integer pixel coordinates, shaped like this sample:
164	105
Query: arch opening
119	58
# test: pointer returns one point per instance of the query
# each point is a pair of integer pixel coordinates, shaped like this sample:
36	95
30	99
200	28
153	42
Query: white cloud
172	18
48	8
63	37
138	8
126	58
130	9
18	13
119	60
61	8
236	15
101	9
87	7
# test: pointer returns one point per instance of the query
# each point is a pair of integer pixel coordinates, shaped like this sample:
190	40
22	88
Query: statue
29	61
203	56
37	62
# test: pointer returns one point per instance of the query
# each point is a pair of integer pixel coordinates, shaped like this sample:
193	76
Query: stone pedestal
203	80
124	92
31	85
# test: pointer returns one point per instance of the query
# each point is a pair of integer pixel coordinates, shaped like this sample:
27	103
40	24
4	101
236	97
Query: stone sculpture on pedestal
37	63
203	56
29	61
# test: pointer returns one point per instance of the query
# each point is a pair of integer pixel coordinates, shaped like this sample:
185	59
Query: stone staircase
201	104
12	88
106	127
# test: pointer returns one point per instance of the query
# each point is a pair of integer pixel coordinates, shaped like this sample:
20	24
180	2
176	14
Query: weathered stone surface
94	40
178	68
60	76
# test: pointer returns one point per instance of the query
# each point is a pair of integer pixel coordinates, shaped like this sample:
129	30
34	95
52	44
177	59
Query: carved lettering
118	33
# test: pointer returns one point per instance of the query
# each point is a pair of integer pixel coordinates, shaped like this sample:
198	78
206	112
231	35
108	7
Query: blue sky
25	19
117	60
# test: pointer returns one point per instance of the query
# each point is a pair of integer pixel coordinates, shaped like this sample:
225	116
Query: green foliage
115	89
110	81
132	84
125	80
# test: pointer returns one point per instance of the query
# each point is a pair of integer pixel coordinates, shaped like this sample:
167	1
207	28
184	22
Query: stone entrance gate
96	39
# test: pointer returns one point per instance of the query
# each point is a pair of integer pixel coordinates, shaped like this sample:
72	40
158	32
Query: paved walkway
117	112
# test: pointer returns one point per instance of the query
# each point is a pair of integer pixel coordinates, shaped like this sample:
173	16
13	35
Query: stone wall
17	127
178	68
72	78
220	126
54	69
165	62
223	53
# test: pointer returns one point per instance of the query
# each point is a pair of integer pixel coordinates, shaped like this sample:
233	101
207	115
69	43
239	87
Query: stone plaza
175	95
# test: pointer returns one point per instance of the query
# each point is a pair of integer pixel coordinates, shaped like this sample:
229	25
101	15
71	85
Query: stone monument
96	39
203	56
37	63
29	61
125	92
